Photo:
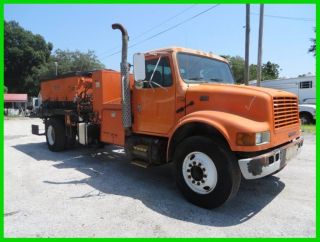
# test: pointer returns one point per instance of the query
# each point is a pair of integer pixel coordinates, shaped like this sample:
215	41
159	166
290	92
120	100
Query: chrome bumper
266	164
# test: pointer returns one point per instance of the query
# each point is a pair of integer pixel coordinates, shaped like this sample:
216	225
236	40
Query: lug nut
204	169
198	183
194	162
205	176
190	165
202	181
188	170
189	177
193	181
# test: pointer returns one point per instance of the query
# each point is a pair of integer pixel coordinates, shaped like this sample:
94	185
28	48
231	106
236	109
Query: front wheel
306	118
206	171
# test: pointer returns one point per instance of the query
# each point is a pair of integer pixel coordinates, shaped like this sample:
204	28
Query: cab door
153	104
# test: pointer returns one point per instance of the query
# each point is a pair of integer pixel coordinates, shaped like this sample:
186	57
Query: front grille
285	111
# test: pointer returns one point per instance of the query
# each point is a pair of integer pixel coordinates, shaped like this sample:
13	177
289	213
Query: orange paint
161	111
64	89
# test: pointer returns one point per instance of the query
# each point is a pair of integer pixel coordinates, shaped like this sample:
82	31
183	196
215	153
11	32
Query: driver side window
162	75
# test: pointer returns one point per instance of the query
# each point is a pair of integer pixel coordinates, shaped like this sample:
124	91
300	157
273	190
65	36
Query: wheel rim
199	172
51	135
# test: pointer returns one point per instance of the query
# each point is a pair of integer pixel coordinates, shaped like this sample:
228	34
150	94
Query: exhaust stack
125	84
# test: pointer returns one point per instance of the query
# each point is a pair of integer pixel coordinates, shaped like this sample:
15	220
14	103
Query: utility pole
260	45
56	64
246	64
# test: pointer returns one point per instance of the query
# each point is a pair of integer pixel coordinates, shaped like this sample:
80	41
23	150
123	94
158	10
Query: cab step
141	163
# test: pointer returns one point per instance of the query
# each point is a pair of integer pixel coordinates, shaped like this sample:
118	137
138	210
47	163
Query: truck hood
255	103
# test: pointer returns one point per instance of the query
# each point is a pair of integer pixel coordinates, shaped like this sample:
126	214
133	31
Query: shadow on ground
109	172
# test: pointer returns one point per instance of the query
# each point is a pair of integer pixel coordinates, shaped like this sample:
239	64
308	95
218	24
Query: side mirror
139	67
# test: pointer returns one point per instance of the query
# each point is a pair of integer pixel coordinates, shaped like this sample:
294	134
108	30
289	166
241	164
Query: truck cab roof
185	50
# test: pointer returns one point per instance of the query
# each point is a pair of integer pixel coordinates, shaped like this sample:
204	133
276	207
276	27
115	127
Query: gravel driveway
89	192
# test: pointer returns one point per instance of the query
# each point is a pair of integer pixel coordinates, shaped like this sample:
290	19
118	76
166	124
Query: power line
168	29
156	26
286	17
162	23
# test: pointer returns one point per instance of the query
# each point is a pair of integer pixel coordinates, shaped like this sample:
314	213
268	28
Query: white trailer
303	87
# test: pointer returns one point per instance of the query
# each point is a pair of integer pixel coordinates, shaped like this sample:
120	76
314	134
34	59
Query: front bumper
266	164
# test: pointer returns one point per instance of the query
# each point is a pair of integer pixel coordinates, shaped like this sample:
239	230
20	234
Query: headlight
251	139
262	138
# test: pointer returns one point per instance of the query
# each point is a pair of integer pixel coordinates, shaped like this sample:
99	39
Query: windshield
200	69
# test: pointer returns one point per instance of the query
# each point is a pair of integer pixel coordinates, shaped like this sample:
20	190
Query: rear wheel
55	134
206	171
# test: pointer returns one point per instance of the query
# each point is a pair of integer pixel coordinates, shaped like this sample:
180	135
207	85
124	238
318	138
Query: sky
220	30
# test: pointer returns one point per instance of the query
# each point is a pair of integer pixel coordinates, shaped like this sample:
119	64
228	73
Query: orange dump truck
180	106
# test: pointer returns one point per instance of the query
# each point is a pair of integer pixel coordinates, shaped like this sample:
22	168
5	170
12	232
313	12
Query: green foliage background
29	58
269	70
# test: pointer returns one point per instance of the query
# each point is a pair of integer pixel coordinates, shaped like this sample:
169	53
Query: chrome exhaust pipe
125	84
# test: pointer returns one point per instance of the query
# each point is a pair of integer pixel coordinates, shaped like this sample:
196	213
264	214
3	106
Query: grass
309	128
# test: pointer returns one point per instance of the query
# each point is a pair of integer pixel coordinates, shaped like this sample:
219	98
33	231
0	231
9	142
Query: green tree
70	61
312	48
25	54
269	70
237	67
252	72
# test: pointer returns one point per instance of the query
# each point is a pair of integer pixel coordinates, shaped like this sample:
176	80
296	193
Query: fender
227	124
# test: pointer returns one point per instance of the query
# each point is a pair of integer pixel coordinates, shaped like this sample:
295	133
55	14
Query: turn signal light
246	139
251	139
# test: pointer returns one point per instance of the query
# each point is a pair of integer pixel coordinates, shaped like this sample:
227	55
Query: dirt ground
89	192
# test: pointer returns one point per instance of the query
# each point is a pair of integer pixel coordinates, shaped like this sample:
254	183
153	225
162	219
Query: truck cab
186	93
190	86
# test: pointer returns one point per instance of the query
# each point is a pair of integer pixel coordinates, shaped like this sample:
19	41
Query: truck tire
55	134
207	172
306	118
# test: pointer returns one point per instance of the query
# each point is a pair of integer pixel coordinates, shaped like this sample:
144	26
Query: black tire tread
60	137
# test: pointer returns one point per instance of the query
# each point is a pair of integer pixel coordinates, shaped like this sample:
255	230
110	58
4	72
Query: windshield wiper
205	80
195	78
216	80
